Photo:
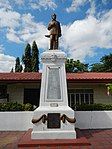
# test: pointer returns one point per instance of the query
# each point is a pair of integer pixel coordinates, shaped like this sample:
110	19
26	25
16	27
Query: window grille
80	96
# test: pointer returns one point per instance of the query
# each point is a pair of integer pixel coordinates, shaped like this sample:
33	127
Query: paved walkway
99	139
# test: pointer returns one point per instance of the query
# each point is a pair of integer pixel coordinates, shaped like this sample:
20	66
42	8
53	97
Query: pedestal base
54	135
66	130
27	142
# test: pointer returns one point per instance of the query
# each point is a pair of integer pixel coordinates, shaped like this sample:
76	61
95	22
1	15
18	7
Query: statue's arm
50	25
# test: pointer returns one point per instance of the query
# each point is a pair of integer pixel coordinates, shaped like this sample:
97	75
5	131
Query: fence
13	121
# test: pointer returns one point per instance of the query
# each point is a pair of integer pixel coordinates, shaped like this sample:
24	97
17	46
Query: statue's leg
51	42
56	41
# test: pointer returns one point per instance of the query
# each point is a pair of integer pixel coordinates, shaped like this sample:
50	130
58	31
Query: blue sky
86	28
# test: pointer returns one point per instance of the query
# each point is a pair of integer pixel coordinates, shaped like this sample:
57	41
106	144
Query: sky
86	28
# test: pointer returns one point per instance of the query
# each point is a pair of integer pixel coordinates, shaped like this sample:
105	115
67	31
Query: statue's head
53	16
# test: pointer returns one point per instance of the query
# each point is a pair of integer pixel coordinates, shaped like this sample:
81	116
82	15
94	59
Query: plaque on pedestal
53	88
53	120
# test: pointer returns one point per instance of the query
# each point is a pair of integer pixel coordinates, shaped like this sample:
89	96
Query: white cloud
23	28
75	4
9	18
38	35
1	48
79	37
28	22
5	4
19	2
33	31
92	9
38	4
9	4
82	36
106	1
6	63
35	4
12	36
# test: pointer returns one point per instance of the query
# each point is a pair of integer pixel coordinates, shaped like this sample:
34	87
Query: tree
12	70
35	57
97	67
26	59
75	66
109	89
69	65
105	64
18	66
80	67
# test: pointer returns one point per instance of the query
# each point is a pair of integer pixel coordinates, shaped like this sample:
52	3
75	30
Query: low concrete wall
93	119
13	121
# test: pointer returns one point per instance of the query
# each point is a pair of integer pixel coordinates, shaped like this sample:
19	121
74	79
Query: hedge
93	107
10	106
14	106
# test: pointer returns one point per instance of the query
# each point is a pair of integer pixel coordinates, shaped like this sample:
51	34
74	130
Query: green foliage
93	107
10	106
75	66
80	67
35	57
109	87
98	67
12	70
18	67
31	59
69	65
26	59
28	107
105	64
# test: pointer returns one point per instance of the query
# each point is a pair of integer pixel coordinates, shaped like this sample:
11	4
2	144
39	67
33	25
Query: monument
53	119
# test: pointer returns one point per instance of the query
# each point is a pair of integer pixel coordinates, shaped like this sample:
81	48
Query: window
32	96
3	91
80	96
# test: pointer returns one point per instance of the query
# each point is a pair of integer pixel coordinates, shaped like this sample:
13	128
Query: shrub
28	107
10	106
93	107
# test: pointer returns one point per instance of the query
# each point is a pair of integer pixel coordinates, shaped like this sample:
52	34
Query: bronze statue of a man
55	32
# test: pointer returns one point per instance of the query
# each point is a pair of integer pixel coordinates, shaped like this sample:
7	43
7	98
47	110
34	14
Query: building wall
16	91
100	95
100	91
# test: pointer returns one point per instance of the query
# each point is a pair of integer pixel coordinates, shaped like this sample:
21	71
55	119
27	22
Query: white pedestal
53	98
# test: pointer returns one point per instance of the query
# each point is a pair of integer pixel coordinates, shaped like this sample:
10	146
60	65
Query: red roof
26	76
34	76
89	75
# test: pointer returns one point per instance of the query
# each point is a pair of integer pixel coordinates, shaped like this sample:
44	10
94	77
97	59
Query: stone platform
27	142
99	139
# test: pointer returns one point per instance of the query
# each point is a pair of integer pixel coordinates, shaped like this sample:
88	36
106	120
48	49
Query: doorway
32	96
